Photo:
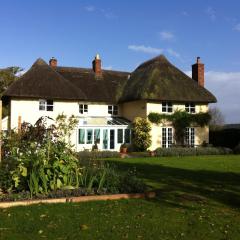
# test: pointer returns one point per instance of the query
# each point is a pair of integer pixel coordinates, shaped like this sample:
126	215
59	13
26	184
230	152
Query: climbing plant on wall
180	120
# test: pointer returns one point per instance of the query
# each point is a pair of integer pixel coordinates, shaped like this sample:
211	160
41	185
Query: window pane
49	107
42	105
89	136
85	108
120	135
127	135
96	135
81	136
105	139
80	108
49	102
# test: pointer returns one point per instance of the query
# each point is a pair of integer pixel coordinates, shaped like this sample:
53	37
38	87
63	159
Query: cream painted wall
29	110
157	107
133	109
201	134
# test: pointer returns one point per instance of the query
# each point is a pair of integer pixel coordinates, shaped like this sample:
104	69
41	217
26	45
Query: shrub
180	151
86	155
141	134
40	162
237	149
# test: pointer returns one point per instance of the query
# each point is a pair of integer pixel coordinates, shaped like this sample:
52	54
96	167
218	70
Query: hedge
180	151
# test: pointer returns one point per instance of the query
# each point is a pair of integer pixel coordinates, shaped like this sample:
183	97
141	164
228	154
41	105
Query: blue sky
126	33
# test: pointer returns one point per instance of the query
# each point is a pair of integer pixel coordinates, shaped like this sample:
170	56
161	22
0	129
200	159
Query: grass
198	198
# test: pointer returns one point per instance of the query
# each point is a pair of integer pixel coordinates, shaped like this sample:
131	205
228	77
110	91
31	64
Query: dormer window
113	109
83	108
167	107
190	107
45	105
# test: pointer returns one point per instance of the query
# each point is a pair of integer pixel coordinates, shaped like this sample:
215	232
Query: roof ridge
91	70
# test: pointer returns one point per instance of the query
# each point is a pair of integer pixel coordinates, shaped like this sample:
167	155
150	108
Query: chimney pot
198	72
53	62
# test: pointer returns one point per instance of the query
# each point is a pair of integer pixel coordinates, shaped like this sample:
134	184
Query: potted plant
123	148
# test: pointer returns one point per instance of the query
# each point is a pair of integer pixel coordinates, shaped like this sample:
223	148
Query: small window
190	107
81	136
83	108
167	107
120	135
45	105
113	109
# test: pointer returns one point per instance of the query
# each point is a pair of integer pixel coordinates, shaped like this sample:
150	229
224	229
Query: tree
7	77
217	118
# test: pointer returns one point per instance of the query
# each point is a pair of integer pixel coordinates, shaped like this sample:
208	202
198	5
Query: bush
93	155
229	138
165	152
141	134
40	162
237	149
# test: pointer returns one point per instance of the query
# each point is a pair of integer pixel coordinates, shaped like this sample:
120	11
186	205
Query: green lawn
198	198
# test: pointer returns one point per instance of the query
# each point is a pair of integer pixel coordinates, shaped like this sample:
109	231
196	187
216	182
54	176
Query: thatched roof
107	88
158	80
41	81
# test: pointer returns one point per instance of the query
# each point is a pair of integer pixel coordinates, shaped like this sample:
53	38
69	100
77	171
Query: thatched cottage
106	102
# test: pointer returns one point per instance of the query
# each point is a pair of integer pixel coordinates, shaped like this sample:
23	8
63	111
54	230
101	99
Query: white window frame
113	110
167	107
190	107
190	136
167	137
83	108
44	105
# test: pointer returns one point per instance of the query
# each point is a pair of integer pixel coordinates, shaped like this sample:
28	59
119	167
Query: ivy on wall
180	120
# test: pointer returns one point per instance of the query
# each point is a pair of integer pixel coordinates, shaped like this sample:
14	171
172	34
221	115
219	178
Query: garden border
79	199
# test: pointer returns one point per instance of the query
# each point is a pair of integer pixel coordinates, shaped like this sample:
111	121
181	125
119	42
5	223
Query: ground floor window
190	137
167	137
106	138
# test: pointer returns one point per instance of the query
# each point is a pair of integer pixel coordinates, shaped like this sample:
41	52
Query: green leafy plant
141	134
180	121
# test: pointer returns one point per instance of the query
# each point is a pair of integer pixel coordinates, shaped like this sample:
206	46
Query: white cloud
166	35
211	13
237	27
226	87
90	8
107	13
145	49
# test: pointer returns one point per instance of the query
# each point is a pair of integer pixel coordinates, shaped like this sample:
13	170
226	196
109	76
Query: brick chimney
198	72
53	62
96	64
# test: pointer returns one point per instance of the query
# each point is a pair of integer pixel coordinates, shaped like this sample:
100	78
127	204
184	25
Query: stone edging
79	199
